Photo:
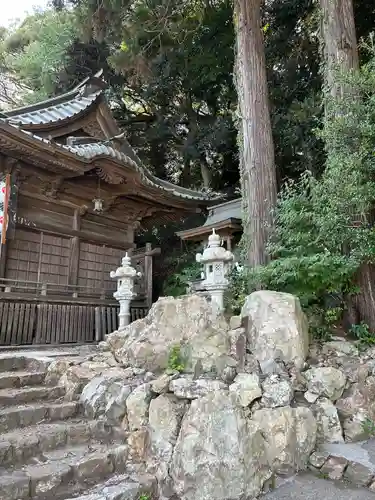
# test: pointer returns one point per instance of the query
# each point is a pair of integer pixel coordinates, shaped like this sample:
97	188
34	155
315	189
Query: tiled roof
94	150
228	210
52	111
91	151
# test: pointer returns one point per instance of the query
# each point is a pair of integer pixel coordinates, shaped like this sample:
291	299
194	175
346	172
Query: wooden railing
43	289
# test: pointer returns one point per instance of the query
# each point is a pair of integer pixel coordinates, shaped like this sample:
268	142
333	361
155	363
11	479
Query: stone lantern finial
214	239
216	262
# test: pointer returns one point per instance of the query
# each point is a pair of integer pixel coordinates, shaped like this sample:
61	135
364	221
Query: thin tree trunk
206	174
259	186
341	52
339	42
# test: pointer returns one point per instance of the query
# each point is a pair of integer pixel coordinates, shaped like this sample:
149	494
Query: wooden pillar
7	166
148	274
3	259
74	251
229	243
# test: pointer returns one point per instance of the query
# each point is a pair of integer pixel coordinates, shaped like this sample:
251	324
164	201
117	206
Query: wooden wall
38	256
55	284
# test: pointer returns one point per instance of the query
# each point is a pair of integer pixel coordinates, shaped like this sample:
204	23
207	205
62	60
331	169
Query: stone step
10	380
24	395
62	474
20	447
14	417
308	487
352	462
12	362
121	487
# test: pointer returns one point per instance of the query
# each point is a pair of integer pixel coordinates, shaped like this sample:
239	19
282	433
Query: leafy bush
362	332
176	361
237	290
186	270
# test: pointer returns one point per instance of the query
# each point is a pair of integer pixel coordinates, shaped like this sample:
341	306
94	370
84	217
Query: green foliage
323	320
187	270
145	496
169	66
368	427
237	290
324	228
303	261
176	361
362	332
35	52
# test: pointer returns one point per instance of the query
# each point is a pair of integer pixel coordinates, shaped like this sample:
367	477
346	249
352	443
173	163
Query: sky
17	9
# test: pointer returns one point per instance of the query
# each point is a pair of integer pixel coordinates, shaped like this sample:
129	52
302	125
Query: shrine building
74	194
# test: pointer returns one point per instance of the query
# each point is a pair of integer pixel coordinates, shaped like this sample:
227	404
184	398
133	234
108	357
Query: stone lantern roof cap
214	251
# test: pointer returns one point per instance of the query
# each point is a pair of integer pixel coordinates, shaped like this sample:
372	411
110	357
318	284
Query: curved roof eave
55	114
92	151
89	152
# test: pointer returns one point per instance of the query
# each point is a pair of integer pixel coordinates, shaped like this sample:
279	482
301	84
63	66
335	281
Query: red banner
5	186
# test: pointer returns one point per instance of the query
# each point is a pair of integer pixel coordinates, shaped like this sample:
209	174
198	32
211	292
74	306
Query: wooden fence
26	324
42	313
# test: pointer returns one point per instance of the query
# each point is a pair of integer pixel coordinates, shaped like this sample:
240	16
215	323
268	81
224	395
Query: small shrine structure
74	195
225	218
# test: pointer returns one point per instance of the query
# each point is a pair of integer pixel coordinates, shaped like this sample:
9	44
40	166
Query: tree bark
341	52
339	42
258	179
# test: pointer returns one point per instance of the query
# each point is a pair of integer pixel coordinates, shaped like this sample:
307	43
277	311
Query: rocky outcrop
187	388
217	442
277	392
329	426
246	388
105	396
276	327
76	377
290	434
137	405
247	401
165	415
190	323
325	381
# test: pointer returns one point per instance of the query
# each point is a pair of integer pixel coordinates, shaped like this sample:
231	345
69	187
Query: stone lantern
125	275
216	261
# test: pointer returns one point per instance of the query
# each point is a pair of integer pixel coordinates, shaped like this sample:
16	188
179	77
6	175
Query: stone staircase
48	449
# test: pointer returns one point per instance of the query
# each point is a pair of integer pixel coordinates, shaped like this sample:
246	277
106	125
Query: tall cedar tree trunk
340	48
258	179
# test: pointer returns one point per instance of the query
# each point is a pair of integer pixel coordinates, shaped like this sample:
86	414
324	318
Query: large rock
137	405
276	327
190	322
219	454
56	370
277	392
187	388
325	381
355	407
105	397
246	388
329	426
77	376
290	435
165	415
